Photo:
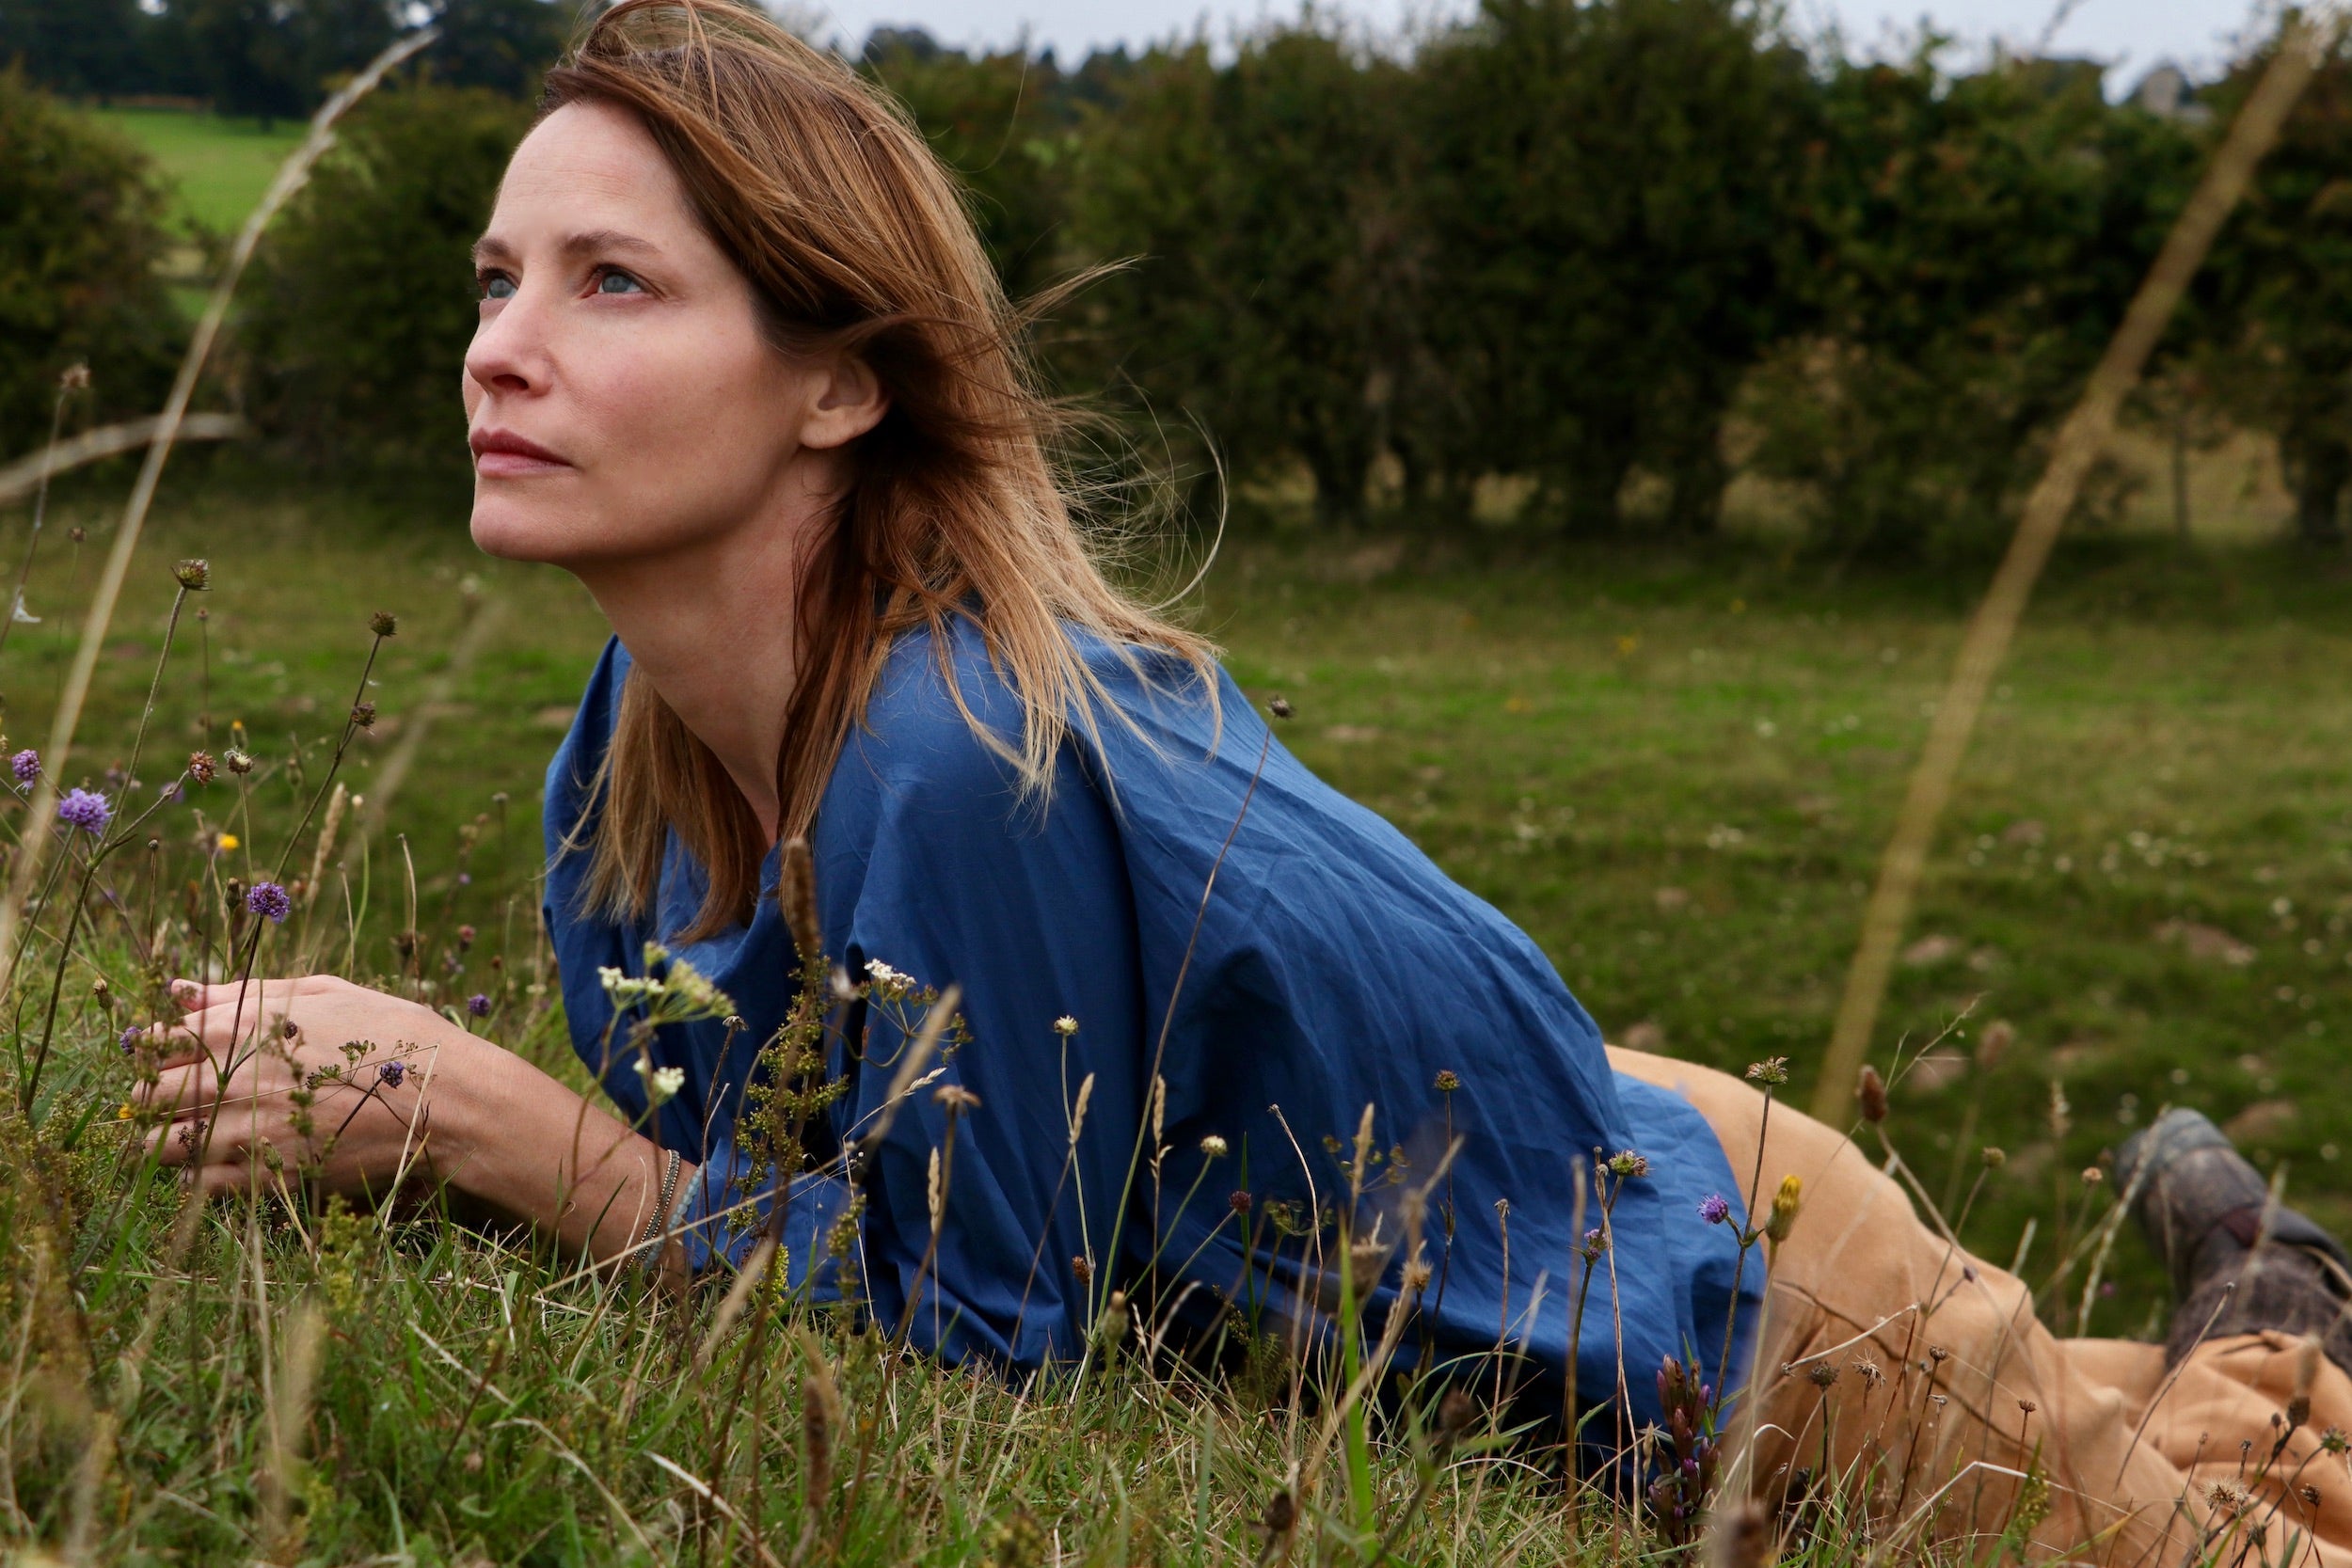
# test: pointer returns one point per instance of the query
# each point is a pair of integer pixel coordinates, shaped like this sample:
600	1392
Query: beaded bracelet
659	1219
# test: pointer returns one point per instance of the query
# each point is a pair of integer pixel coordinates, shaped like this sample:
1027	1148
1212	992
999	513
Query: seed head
1994	1158
1065	1025
237	760
1213	1146
1238	1202
1870	1371
2093	1176
1281	707
1871	1091
194	574
1448	1081
1823	1375
1771	1071
2229	1498
796	891
269	901
1993	1042
477	1005
77	377
1281	1514
200	766
383	624
2306	1373
363	715
1083	1269
955	1100
26	764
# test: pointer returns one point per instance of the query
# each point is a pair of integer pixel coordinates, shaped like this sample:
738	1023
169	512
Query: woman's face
622	401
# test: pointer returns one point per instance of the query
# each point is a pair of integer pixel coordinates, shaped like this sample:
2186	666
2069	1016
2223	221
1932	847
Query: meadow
1675	772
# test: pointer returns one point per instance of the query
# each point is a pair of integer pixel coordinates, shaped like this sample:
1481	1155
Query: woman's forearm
513	1138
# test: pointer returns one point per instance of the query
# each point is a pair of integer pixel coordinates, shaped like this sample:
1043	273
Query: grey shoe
2238	1266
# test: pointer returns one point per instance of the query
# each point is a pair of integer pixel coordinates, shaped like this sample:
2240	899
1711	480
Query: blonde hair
856	240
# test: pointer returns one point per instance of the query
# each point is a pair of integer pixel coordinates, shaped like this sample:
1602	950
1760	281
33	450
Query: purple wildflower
26	764
131	1037
1714	1209
390	1073
83	810
477	1005
269	901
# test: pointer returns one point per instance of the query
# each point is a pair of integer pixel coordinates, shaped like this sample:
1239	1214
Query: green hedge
81	237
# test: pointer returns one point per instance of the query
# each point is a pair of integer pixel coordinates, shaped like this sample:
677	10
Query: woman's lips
503	453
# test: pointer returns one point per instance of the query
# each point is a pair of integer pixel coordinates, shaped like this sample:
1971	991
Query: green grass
218	166
1675	776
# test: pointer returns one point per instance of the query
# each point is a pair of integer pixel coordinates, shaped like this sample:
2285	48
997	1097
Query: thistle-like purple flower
1715	1209
477	1005
26	764
390	1073
129	1040
269	901
83	810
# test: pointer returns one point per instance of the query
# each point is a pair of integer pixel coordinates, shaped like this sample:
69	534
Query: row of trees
268	58
1587	257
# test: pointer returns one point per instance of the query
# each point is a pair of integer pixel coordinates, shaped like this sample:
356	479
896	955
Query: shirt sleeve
721	1218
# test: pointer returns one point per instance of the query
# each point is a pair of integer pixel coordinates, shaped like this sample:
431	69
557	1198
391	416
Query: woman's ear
849	402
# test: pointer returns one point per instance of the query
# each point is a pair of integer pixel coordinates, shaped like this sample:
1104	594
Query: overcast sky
2131	35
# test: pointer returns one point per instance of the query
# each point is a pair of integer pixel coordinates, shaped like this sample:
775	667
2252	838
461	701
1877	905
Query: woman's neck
713	626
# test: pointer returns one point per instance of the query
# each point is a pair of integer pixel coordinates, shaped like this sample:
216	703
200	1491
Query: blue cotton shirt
1331	966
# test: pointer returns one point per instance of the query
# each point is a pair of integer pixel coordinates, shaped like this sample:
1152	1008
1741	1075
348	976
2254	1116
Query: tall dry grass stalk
34	839
2303	42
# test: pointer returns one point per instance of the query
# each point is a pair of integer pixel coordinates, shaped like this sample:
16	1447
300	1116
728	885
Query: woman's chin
513	532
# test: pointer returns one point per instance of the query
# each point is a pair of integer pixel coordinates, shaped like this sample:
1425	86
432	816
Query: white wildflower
661	1082
1065	1025
1214	1146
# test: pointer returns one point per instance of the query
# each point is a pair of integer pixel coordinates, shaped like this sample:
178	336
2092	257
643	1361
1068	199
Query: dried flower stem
2078	444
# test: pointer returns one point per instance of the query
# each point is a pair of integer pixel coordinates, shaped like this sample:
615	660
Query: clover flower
1715	1209
269	901
83	810
26	764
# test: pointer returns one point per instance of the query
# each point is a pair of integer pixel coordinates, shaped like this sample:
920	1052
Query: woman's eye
619	283
497	286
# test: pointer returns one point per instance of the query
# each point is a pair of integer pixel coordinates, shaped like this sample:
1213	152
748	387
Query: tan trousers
1955	1414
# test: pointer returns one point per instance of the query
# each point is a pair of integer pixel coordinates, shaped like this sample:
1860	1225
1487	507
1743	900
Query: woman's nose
509	350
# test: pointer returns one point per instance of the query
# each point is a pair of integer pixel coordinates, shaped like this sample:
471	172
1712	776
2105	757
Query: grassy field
218	167
1677	777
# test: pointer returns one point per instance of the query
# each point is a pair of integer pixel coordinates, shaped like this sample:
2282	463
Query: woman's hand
356	1090
312	1076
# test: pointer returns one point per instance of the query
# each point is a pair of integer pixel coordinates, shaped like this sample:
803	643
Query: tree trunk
2321	472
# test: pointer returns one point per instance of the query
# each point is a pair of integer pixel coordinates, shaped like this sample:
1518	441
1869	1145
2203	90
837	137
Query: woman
743	370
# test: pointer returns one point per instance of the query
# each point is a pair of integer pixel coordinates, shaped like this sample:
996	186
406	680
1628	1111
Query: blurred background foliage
1600	268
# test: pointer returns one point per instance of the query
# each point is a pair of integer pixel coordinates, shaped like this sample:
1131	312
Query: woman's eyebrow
491	248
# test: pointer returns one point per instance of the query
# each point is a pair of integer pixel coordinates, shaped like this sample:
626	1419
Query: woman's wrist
512	1138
